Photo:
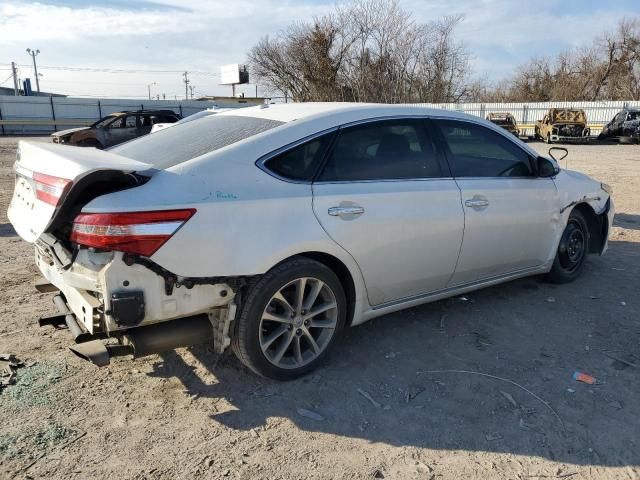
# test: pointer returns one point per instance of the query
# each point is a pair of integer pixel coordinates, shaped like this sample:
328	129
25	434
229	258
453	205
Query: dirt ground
398	400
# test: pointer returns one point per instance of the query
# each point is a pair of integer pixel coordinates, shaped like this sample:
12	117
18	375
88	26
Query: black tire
246	340
572	250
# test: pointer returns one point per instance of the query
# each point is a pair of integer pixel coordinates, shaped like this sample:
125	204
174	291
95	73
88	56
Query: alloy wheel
298	323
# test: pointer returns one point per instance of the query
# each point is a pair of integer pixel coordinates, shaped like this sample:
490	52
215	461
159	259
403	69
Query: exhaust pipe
143	341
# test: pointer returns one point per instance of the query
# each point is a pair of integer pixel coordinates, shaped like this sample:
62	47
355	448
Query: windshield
180	143
104	122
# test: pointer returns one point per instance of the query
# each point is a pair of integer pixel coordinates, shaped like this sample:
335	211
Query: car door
509	212
386	197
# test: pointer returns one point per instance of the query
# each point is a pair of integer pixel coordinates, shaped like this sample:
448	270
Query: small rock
615	404
571	390
623	303
209	462
310	414
390	355
377	473
386	407
551	300
509	398
492	436
254	433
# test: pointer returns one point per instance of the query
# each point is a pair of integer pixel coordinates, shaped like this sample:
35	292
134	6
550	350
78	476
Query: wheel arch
343	273
598	226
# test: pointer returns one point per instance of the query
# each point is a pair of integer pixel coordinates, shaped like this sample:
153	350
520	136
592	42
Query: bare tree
365	51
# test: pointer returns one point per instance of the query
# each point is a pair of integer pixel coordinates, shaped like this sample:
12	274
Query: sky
121	48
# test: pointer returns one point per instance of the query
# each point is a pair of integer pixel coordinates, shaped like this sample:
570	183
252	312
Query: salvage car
271	229
506	121
563	125
625	126
115	128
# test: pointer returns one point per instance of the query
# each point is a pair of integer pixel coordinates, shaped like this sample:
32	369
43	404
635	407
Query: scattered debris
310	414
8	373
492	436
6	334
506	380
377	473
615	404
551	300
412	392
368	397
571	390
621	360
463	299
482	341
583	377
390	355
509	398
524	425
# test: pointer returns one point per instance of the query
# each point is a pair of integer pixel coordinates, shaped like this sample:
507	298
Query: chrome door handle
476	203
337	211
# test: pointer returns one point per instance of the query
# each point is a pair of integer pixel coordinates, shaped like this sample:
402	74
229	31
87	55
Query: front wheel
291	318
572	250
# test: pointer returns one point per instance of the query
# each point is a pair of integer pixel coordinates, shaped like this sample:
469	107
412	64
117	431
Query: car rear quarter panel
246	221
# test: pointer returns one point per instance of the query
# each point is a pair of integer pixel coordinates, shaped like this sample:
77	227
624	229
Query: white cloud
201	35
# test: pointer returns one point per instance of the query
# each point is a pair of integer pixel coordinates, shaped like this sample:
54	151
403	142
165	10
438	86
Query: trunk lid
45	171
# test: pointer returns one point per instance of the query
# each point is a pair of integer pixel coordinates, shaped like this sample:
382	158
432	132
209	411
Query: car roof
289	112
148	112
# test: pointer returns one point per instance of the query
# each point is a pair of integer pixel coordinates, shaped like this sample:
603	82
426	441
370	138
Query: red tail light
50	189
142	233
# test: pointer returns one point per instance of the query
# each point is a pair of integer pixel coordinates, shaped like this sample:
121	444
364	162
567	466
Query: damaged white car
270	229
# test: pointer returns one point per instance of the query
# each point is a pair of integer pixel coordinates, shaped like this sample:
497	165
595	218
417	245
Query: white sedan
272	228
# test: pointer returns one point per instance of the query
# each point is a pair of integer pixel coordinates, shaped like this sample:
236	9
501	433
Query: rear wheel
290	320
572	250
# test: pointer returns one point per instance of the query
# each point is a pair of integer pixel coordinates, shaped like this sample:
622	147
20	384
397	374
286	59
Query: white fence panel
40	115
526	114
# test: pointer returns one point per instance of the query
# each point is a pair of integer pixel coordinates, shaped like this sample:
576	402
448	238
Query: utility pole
14	72
186	85
192	88
149	89
33	54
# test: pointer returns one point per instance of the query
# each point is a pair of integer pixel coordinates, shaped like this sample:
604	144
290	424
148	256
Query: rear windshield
171	146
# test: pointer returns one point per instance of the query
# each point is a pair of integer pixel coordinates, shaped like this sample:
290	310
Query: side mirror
547	168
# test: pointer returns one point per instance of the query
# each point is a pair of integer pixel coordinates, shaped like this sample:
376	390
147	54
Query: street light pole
33	54
149	88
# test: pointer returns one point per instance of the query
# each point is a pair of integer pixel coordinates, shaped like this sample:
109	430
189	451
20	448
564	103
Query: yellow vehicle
506	121
563	125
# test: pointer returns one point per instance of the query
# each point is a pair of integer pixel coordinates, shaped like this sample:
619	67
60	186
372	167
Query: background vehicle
115	128
506	121
625	125
271	229
204	113
563	125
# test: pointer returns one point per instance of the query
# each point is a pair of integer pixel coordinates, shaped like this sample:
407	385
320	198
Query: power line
118	70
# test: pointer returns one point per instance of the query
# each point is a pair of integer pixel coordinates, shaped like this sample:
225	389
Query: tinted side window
385	150
301	162
476	151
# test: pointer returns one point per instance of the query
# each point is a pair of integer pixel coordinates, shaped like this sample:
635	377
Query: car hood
69	131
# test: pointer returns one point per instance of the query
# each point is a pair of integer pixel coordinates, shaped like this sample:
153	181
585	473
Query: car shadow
490	371
6	230
626	220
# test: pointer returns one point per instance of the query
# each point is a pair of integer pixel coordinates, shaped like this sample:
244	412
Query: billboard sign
234	74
